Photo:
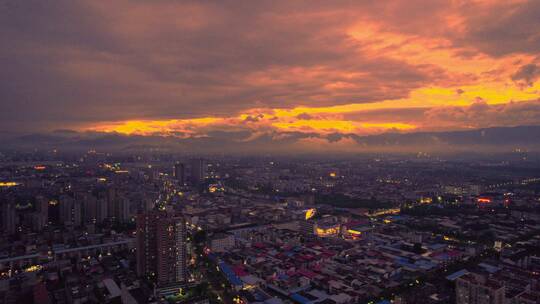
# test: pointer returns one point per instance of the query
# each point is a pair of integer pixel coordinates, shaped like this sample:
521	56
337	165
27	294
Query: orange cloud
156	127
188	69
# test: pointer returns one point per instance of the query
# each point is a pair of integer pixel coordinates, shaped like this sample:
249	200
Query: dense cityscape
101	227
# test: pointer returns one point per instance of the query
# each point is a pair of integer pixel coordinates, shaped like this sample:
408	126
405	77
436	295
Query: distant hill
499	139
522	135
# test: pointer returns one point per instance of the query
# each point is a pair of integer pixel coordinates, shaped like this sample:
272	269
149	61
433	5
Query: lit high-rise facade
161	247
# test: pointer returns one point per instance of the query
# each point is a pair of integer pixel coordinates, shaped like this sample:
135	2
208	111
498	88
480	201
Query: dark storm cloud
483	115
506	29
38	36
69	63
527	74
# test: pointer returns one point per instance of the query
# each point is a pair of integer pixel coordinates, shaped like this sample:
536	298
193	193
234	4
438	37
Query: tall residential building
477	289
70	211
111	202
101	210
8	217
77	213
161	247
41	218
89	204
66	209
146	243
198	170
180	173
122	210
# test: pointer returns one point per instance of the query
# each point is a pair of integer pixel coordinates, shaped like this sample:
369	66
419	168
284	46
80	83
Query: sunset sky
268	68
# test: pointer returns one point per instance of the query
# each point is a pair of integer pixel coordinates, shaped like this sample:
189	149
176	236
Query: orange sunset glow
191	69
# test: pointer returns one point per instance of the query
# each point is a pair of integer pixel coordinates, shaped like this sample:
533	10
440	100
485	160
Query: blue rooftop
283	277
229	273
454	276
300	299
489	268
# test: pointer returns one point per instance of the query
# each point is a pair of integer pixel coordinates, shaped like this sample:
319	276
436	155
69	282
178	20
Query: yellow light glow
449	238
310	213
355	232
330	231
426	200
33	268
385	212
